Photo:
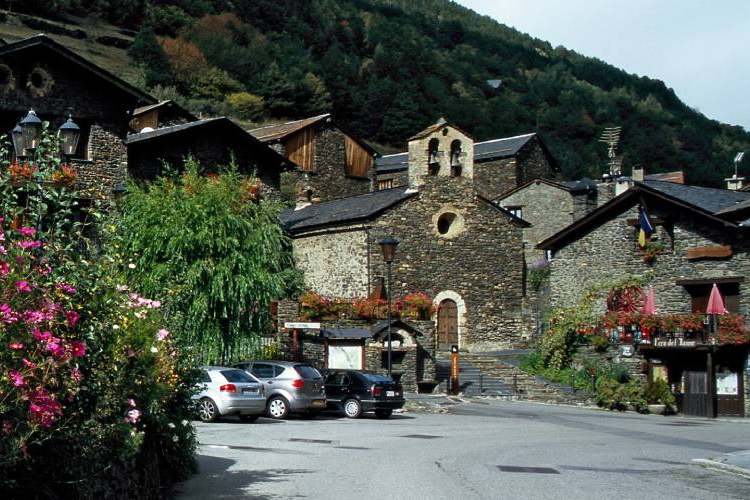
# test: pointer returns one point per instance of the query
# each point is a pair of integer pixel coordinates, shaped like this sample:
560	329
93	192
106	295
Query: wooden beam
655	221
713	252
710	281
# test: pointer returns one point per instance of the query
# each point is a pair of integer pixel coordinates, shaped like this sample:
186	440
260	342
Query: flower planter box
657	409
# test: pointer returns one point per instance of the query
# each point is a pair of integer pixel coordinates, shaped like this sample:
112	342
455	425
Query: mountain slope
387	68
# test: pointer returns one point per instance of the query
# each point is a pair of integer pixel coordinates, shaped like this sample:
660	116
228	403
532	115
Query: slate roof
159	132
169	104
345	333
707	203
273	133
677	177
351	209
483	151
583	185
711	200
85	65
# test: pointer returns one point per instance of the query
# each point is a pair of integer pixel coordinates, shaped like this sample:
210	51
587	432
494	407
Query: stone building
458	246
700	239
332	163
212	142
162	114
42	74
499	165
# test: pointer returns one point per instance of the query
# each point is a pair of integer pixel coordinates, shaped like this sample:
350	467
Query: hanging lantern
18	144
388	246
69	134
31	126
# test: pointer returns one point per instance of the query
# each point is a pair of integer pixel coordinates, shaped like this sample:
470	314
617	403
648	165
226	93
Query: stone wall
399	179
610	252
335	262
547	208
107	166
495	177
419	161
481	261
328	180
533	163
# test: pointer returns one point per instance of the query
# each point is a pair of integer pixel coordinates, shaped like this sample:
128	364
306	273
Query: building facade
700	239
457	246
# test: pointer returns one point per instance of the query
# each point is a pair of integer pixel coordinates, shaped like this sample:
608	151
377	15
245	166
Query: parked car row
277	389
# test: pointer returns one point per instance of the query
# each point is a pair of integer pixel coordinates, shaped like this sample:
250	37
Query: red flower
78	348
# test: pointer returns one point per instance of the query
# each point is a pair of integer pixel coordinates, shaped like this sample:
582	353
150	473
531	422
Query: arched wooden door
447	323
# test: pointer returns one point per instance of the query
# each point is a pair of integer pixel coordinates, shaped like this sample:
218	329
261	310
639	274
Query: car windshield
307	371
374	377
236	376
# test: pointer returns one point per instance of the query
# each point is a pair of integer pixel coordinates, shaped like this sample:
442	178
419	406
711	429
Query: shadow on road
215	480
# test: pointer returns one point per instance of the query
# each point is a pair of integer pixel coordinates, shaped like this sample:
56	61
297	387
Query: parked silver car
290	387
229	391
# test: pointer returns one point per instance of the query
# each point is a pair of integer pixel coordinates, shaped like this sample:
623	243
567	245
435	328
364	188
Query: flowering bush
65	175
732	330
88	378
417	305
314	306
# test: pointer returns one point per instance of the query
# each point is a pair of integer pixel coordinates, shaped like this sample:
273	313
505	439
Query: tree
147	51
214	253
245	105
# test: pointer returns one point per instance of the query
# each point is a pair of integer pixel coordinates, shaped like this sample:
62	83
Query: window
205	377
338	378
432	157
236	376
307	371
456	158
548	255
385	184
516	211
261	370
445	222
699	294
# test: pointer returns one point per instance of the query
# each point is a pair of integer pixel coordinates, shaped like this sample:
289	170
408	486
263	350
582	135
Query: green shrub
245	105
657	392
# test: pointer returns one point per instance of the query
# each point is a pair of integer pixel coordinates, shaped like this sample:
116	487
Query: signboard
345	357
726	383
302	326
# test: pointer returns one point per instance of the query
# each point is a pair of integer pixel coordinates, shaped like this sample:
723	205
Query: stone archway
454	309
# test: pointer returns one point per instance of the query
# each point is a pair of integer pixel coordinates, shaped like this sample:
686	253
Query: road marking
528	470
421	436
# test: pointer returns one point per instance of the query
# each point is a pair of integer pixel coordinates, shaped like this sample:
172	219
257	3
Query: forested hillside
387	68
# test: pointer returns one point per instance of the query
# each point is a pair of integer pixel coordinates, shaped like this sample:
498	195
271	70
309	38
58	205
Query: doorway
447	323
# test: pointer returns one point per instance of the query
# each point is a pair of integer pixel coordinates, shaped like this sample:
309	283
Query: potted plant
417	305
659	397
650	250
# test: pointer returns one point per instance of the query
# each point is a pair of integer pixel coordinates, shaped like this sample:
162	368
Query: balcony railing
676	330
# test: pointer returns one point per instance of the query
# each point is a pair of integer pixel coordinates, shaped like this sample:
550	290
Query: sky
700	48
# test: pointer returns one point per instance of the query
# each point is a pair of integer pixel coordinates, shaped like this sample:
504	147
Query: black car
357	392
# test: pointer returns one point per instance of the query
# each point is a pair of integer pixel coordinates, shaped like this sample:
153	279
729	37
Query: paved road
479	450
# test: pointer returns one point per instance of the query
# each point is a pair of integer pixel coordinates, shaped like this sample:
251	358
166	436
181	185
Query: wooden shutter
300	148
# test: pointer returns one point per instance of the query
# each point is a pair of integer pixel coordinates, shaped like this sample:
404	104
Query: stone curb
722	467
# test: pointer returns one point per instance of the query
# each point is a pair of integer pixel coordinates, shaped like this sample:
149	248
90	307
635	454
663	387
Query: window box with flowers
417	305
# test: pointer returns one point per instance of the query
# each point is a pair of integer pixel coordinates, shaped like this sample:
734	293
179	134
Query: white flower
184	422
154	349
131	266
115	327
170	425
175	438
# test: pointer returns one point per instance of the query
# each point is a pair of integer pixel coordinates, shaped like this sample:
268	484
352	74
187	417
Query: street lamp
69	133
31	127
388	246
17	137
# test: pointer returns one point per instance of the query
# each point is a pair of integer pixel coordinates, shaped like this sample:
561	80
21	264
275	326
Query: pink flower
72	318
4	269
15	346
133	416
65	288
27	232
78	348
43	409
28	364
55	346
7	315
76	374
34	317
23	286
41	336
162	334
17	378
27	244
131	402
3	250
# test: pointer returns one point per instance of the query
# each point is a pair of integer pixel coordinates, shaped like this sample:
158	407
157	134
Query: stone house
212	142
499	165
456	245
41	74
332	162
700	239
162	114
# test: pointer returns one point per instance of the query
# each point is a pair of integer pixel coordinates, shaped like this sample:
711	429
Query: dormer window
432	157
456	158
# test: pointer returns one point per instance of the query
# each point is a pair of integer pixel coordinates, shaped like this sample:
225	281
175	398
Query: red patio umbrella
715	302
649	303
715	307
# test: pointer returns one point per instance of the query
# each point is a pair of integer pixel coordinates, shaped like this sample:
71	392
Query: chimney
622	184
638	174
735	183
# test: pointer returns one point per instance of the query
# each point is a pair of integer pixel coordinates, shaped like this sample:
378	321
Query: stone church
456	244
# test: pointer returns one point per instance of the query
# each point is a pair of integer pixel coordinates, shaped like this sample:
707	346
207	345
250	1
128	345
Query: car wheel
278	408
386	413
249	418
207	410
352	408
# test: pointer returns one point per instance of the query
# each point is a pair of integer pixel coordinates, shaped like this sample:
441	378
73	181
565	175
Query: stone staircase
497	374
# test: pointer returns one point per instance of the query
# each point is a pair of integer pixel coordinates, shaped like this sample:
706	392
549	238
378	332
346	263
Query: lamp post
388	246
69	133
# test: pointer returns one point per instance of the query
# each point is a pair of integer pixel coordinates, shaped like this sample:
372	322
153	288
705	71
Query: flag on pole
646	228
